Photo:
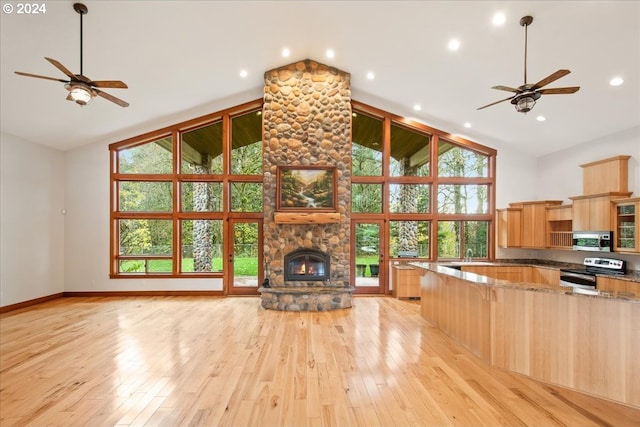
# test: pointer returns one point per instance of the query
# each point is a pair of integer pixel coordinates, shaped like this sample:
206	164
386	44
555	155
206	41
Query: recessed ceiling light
330	53
467	125
541	118
499	19
417	107
286	52
244	73
454	44
370	75
616	81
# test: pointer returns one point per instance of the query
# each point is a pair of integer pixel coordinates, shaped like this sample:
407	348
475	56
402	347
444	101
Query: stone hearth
307	122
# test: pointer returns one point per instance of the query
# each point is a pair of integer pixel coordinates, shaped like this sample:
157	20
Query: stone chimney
307	122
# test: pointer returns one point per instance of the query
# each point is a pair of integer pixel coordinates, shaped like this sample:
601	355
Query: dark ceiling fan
82	89
526	95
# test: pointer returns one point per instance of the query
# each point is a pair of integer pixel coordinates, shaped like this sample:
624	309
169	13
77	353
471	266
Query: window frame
176	177
226	178
433	180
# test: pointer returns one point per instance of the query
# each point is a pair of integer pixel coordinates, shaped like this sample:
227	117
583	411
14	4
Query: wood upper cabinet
603	181
534	222
594	212
559	224
626	220
509	227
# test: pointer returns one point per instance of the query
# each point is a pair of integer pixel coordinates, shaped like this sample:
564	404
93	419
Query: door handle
230	258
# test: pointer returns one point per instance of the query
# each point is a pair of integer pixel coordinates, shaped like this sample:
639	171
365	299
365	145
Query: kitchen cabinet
481	270
626	216
532	226
560	227
512	273
606	175
406	281
611	284
594	212
545	276
509	227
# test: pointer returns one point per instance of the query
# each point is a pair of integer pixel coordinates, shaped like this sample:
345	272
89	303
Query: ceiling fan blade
41	77
559	90
61	67
507	88
111	98
112	84
497	102
552	78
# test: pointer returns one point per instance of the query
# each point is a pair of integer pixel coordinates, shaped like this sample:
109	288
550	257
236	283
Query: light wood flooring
203	361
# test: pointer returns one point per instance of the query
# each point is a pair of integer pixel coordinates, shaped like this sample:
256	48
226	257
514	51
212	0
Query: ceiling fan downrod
525	21
82	10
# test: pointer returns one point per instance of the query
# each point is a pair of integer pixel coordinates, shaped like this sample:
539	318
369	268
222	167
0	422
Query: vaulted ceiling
182	59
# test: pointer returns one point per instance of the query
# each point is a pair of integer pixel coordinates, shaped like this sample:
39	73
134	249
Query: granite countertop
477	279
632	275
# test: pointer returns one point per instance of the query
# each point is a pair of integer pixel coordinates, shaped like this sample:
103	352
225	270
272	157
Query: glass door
245	273
626	221
368	269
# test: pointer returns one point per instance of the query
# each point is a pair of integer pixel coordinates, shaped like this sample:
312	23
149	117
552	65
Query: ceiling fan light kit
527	94
80	94
525	104
82	89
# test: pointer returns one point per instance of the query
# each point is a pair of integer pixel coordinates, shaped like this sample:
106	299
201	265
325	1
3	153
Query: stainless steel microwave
595	241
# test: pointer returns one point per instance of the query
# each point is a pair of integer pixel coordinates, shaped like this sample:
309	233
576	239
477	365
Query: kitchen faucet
469	255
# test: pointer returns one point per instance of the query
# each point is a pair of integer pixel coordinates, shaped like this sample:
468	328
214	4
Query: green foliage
247	160
365	161
135	237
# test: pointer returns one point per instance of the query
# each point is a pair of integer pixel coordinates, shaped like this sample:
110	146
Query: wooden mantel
306	217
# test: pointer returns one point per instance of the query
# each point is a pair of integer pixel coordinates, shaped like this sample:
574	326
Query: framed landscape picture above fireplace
311	188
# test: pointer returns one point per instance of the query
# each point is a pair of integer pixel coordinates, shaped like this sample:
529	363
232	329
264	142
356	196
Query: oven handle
575	285
577	275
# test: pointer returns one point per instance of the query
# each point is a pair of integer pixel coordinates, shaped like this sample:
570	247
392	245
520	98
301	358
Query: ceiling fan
526	95
82	89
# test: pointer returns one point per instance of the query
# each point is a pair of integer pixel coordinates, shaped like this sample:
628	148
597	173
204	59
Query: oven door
578	280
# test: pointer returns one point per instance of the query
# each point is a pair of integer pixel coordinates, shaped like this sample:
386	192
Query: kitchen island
586	342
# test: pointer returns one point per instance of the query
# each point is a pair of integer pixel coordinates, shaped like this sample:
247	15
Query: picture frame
306	189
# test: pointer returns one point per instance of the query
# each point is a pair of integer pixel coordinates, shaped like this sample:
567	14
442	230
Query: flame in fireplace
304	268
301	268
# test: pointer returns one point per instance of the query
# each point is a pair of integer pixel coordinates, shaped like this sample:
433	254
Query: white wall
31	220
560	175
87	230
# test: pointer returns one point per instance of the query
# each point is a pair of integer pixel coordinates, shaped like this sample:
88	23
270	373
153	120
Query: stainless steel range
584	278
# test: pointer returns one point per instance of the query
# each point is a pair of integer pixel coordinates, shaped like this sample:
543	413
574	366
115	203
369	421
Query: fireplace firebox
307	265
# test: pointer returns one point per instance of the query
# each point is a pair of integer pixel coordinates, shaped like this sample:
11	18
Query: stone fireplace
307	122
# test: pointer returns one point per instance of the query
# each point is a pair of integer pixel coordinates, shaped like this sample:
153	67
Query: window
201	242
463	198
410	152
176	190
409	198
434	192
409	239
459	239
366	198
173	193
366	150
201	150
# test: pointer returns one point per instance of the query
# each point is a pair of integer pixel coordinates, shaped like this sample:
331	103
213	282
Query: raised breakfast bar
590	343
